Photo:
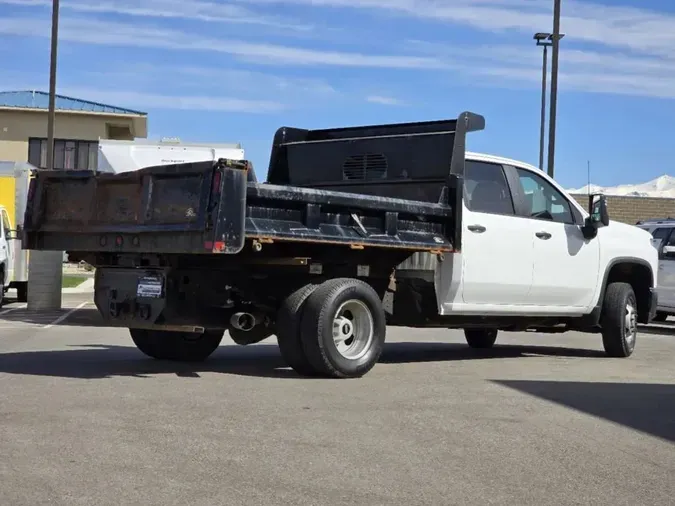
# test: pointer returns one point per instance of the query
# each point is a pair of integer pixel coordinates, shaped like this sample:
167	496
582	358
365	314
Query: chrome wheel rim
353	329
630	324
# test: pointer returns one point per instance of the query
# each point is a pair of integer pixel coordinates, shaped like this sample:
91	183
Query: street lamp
544	40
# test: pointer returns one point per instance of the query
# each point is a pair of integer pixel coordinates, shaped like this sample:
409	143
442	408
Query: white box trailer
118	156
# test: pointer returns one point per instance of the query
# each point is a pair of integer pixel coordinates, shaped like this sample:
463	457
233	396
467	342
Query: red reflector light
119	240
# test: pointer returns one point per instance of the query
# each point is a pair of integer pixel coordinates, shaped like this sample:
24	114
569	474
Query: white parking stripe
5	311
64	316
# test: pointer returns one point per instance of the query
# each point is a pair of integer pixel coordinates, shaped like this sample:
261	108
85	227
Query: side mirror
597	208
599	216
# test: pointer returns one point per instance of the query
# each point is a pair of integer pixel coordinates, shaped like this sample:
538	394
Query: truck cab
527	249
10	247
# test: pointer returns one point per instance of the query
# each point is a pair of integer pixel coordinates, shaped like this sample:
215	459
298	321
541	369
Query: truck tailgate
178	204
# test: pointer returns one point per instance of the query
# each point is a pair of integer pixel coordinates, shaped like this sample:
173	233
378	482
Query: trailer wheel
480	338
619	320
343	328
177	346
288	331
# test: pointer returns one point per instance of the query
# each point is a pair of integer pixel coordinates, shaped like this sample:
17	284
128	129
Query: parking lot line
65	315
5	311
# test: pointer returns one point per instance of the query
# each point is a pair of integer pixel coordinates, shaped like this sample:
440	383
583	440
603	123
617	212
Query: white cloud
145	101
198	10
90	31
383	100
633	28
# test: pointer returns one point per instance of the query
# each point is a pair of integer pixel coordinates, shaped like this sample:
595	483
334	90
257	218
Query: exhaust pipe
243	321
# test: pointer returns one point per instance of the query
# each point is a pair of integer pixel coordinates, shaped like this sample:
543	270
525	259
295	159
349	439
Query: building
633	209
78	126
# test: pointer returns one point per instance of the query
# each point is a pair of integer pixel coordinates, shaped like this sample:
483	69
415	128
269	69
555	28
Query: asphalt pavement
86	419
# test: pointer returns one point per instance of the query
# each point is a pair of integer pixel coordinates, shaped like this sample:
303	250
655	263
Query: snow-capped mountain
663	186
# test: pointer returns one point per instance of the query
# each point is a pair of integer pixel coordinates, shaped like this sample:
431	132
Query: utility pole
52	85
45	268
554	86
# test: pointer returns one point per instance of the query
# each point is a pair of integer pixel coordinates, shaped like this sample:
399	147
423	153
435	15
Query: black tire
253	336
480	338
618	336
288	331
22	292
660	317
318	315
177	346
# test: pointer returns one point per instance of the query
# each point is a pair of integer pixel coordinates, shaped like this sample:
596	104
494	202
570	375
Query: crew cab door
497	251
566	265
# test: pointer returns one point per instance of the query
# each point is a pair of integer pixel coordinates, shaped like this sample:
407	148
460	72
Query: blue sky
236	70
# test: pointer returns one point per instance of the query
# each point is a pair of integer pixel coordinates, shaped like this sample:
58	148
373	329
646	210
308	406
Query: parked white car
663	232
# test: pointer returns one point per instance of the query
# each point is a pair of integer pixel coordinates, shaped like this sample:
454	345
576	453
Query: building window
68	154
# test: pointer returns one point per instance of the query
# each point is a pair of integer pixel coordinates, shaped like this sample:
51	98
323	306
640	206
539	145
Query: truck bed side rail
311	215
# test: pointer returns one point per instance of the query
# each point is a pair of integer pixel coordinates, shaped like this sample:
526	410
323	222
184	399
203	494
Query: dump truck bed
388	186
206	208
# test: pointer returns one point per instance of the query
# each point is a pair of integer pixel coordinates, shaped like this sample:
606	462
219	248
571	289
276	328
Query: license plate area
150	287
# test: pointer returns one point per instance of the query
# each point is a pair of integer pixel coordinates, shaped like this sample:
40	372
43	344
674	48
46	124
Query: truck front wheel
619	320
480	338
343	328
177	346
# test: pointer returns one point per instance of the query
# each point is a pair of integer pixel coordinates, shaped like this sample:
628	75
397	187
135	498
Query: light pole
52	85
555	38
544	40
45	268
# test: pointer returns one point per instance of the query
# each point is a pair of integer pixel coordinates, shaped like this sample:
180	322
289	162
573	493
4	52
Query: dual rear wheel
335	329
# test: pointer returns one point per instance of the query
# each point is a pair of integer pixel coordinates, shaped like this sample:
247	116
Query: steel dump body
342	186
170	210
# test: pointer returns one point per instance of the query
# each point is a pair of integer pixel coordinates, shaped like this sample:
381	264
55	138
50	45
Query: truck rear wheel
343	328
619	320
480	338
288	331
177	346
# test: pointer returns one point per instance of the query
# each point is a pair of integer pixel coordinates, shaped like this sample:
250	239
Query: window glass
671	239
486	189
542	200
68	154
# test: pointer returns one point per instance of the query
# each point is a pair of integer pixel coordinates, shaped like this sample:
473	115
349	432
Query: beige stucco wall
17	126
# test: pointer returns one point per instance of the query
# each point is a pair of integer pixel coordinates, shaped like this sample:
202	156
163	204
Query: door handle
477	228
543	235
